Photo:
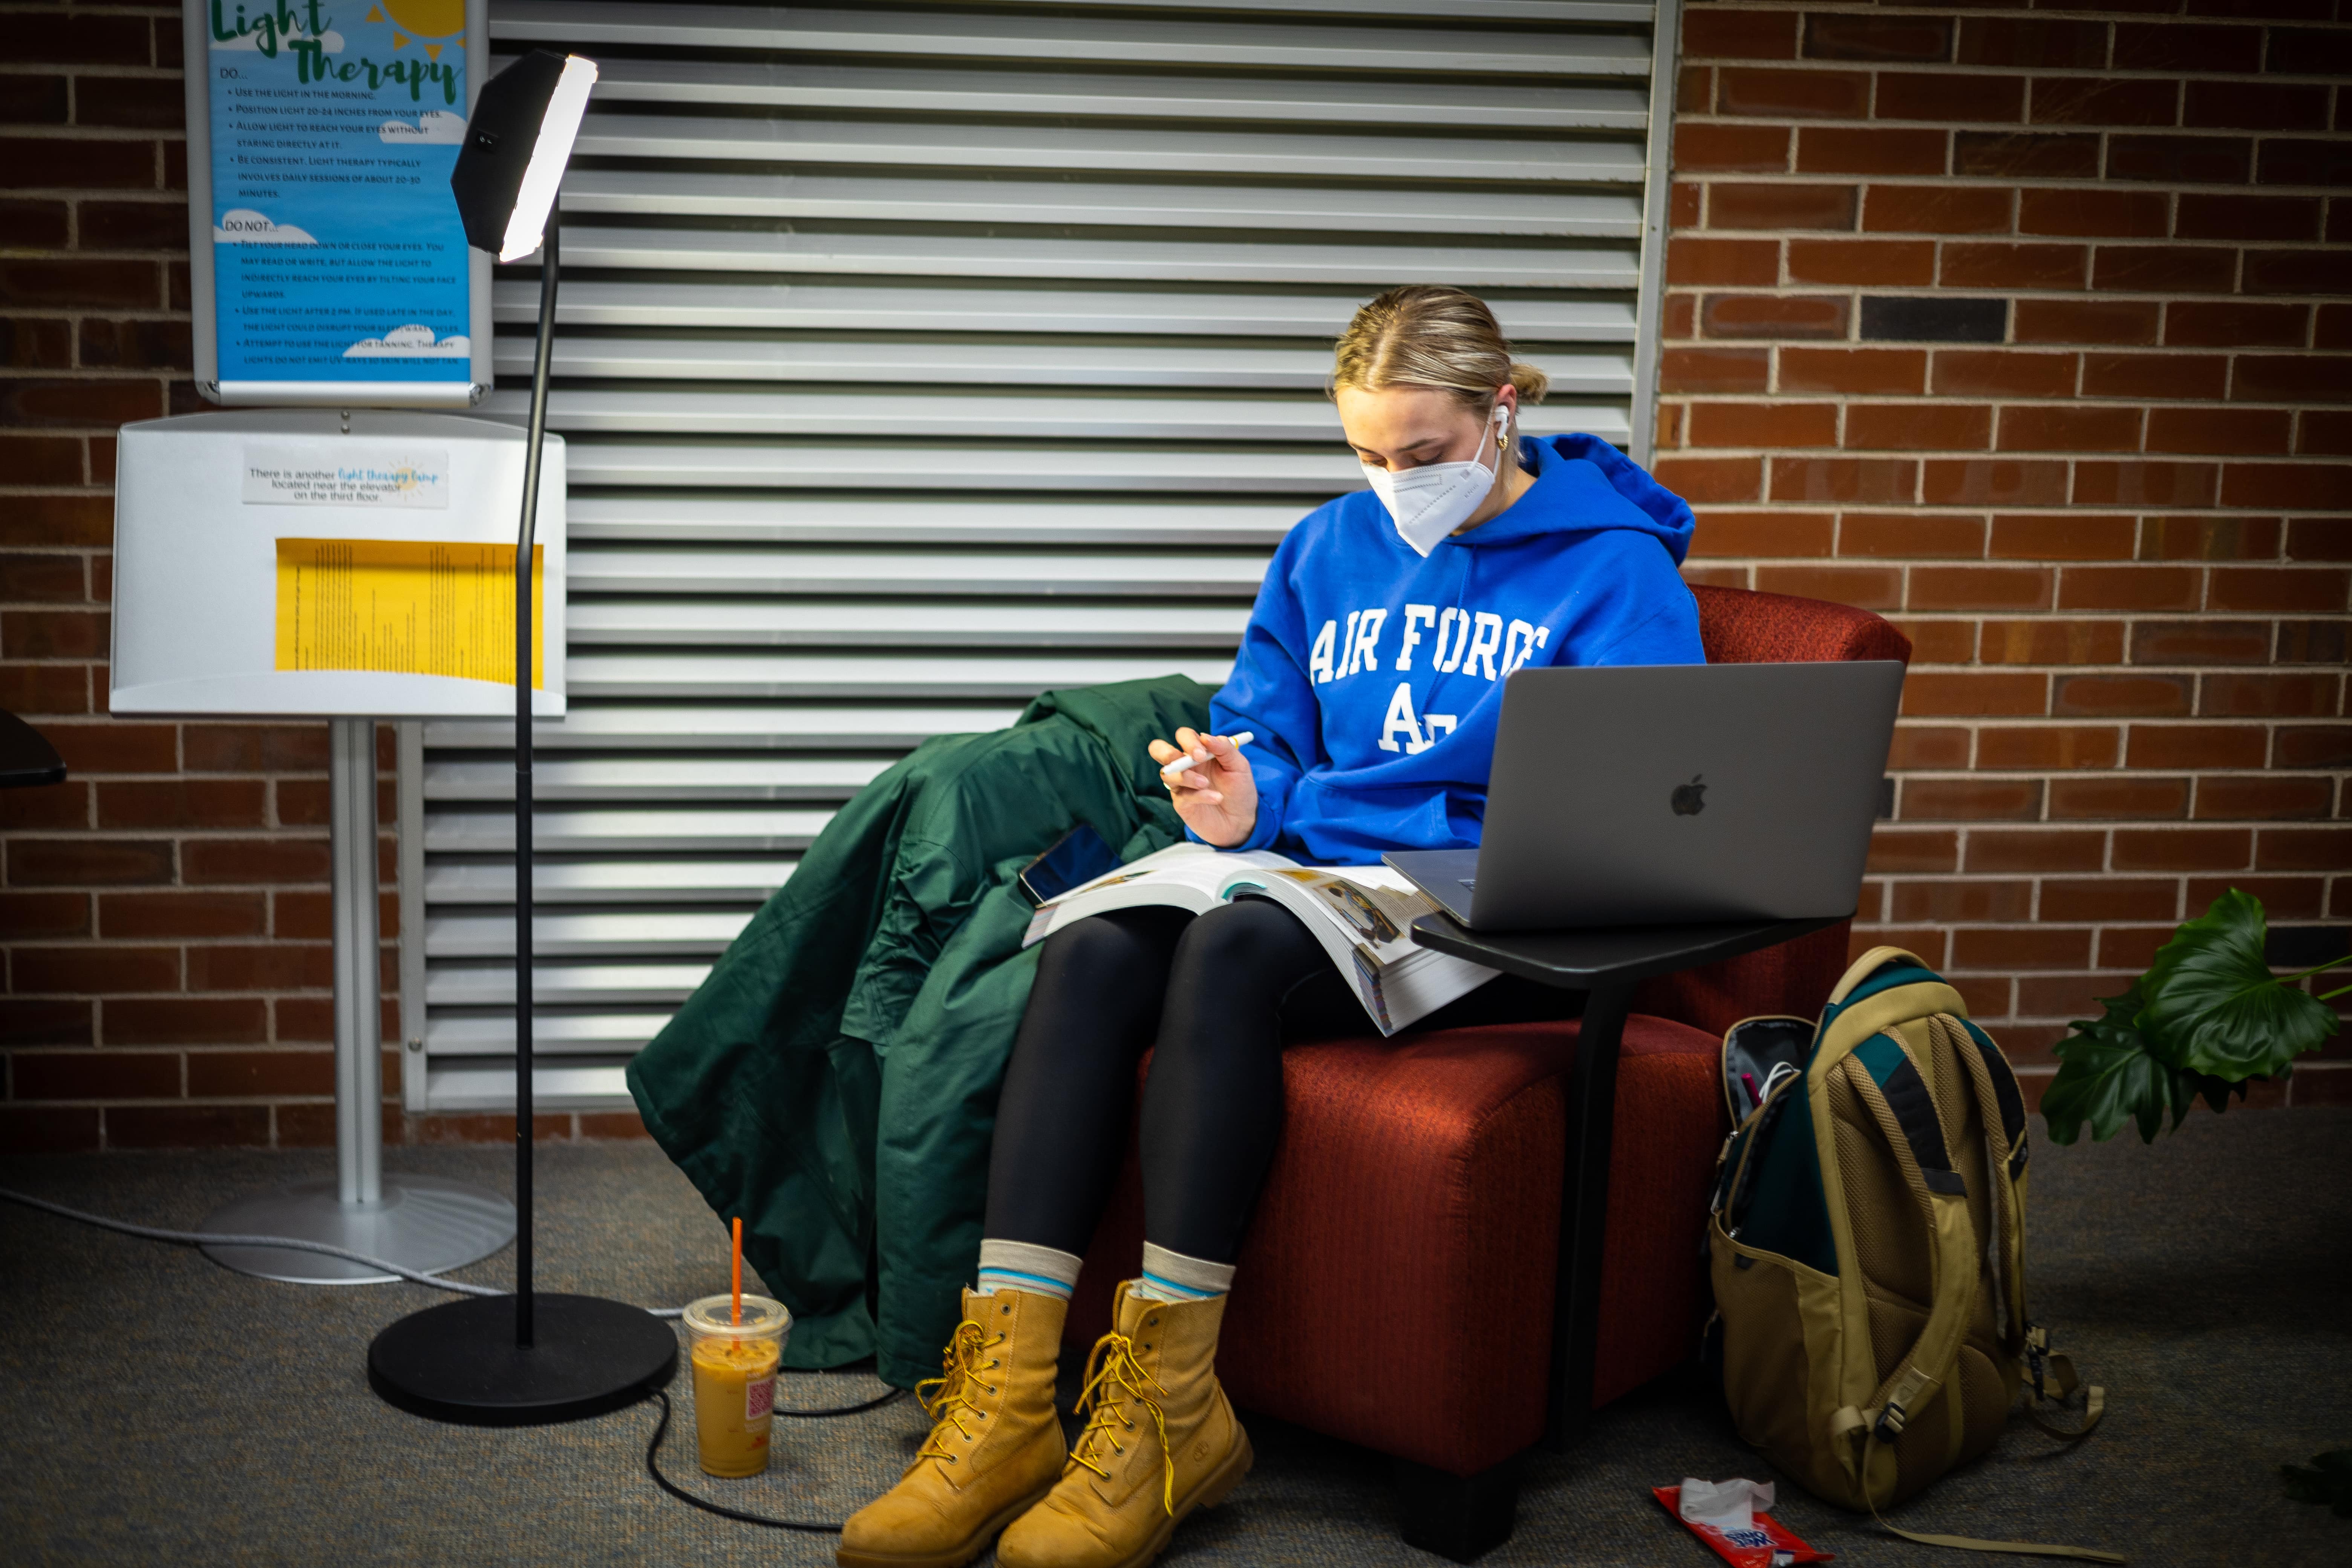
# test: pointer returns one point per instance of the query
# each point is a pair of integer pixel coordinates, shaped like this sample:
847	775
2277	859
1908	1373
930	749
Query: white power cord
205	1238
653	1449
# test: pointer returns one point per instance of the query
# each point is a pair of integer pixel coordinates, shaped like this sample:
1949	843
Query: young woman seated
1371	676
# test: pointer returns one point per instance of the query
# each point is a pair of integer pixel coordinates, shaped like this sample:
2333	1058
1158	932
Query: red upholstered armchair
1442	1160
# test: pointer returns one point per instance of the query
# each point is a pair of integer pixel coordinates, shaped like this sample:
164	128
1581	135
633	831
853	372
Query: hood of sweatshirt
1373	677
1583	484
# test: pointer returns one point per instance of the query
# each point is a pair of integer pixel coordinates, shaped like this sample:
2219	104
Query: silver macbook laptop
1666	793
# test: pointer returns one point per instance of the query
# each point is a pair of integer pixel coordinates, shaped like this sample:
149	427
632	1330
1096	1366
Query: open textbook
1363	916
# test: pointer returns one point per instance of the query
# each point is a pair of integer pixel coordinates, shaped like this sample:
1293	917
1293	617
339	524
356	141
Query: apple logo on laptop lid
1690	799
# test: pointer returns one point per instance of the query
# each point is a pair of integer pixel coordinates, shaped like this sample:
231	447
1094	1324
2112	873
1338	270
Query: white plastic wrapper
1727	1505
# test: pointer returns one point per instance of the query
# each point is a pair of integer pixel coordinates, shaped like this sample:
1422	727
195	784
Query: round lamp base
459	1363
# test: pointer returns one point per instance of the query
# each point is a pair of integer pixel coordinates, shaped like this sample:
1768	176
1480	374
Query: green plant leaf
2216	1090
2213	1006
2106	1076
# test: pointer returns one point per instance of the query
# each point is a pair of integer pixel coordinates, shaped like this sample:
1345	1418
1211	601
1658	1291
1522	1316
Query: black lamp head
516	146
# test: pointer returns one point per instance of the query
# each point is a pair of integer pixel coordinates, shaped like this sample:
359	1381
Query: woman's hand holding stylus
1216	796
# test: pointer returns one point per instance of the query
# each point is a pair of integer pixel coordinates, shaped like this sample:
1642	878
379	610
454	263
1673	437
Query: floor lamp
533	1357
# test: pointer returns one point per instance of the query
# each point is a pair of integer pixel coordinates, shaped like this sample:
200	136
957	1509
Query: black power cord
661	1430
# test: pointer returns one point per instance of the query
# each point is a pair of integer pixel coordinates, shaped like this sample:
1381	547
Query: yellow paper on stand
406	607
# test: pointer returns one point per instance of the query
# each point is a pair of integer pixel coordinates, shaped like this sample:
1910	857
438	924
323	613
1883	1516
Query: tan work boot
994	1452
1162	1442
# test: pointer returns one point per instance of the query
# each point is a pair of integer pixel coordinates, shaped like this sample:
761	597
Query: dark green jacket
833	1081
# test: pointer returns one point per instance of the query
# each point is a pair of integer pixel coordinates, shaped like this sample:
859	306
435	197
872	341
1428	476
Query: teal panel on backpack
1879	1057
1885	977
1892	976
1789	1213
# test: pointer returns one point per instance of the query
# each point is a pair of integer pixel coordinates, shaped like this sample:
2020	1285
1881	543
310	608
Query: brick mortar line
1960	401
2255	246
2013	454
1774	178
1793	121
2009	237
2035	511
2014	12
2007	12
111	134
2118	402
2187	773
1826	65
97	70
2010	12
195	1102
1979	879
2056	612
2169	509
2245	186
2247	824
2033	292
2024	291
2119	183
199	835
2041	509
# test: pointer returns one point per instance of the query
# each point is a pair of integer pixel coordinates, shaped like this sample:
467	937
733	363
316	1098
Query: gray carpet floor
154	1408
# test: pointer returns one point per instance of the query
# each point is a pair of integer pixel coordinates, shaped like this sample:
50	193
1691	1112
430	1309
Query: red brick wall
163	914
2031	332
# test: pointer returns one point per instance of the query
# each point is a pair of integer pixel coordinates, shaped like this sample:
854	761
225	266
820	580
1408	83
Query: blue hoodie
1372	677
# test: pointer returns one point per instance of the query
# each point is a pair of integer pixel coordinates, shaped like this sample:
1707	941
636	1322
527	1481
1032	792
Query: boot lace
946	1397
1115	1379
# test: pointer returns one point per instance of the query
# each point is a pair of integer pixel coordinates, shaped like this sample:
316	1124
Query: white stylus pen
1187	761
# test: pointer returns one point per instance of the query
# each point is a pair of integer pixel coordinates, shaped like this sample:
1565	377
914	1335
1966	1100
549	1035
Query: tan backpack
1868	1245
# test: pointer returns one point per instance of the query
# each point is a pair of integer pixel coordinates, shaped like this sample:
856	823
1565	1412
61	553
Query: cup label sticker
759	1399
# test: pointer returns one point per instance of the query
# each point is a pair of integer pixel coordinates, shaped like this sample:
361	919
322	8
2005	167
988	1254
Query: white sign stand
230	530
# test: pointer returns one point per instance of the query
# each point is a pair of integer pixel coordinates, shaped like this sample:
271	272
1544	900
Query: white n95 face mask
1431	501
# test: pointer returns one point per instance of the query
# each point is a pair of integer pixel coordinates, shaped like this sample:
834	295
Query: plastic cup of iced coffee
735	1379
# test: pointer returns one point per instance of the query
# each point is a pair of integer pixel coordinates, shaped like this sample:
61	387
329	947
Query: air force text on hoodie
1373	677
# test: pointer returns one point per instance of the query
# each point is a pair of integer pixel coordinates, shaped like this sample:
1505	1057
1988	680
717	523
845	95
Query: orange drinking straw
738	1269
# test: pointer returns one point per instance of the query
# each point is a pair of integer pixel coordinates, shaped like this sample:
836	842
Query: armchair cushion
1396	1288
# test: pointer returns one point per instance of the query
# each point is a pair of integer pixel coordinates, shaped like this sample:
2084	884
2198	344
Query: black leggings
1218	996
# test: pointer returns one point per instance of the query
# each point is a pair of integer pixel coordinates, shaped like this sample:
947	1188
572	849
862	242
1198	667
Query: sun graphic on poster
428	22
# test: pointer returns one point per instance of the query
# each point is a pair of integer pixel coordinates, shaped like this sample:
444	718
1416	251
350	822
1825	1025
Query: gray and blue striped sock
1172	1276
1025	1266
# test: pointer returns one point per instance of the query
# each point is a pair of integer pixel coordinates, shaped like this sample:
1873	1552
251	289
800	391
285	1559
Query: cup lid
764	1317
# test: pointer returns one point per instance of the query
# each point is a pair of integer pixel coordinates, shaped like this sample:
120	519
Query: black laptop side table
27	758
1605	964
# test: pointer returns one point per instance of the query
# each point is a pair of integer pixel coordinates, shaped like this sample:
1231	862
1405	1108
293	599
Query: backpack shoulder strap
2001	1107
1898	1097
2024	1548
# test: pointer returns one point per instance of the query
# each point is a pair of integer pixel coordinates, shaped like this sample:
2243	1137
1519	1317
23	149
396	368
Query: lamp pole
550	268
556	1356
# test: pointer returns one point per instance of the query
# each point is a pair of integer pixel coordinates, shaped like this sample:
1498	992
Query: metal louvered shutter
919	357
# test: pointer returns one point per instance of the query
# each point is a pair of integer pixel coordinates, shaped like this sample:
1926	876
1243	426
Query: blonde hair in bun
1431	335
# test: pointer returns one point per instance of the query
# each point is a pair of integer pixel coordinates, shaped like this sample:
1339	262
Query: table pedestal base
421	1223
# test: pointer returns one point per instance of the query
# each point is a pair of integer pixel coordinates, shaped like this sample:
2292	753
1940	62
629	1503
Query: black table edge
1580	960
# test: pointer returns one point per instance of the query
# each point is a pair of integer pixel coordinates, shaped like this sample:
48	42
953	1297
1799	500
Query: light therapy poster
339	268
